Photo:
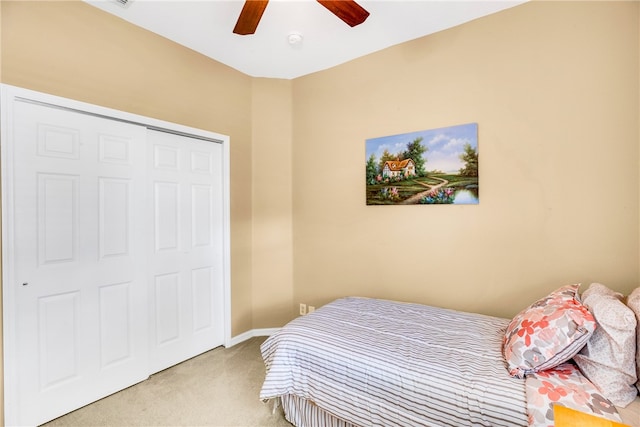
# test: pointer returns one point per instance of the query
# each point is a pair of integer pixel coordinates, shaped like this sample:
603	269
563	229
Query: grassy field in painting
393	193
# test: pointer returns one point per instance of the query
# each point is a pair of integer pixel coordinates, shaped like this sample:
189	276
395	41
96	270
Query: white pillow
599	288
608	358
633	302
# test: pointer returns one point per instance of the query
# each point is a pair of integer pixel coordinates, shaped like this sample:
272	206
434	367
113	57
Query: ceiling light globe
294	39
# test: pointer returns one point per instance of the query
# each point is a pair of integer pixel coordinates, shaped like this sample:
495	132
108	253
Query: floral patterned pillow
547	333
566	386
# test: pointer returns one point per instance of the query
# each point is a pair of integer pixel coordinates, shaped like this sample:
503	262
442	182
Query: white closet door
186	268
79	259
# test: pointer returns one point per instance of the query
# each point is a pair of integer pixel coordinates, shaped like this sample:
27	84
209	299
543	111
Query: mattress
383	363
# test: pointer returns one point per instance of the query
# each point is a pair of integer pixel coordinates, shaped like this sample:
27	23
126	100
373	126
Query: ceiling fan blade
348	10
250	16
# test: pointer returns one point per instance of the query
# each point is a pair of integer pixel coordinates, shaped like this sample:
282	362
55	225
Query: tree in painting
372	170
470	158
415	151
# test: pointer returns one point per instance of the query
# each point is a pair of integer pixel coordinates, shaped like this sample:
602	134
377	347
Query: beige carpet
218	388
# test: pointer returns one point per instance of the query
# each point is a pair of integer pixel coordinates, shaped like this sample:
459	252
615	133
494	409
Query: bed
371	362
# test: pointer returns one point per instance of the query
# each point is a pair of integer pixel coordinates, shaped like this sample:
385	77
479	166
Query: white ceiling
206	26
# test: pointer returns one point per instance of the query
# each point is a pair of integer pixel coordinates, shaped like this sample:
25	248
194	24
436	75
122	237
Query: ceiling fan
348	10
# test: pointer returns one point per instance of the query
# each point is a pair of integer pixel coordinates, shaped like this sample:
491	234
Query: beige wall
272	215
553	87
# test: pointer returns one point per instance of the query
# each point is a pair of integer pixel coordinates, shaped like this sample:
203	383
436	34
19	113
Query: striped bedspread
383	363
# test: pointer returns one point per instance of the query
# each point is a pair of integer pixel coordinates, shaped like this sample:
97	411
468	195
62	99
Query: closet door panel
79	254
186	183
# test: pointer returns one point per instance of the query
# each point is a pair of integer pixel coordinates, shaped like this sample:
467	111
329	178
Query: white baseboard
264	332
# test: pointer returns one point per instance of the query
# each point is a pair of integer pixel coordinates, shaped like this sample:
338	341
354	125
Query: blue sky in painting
444	145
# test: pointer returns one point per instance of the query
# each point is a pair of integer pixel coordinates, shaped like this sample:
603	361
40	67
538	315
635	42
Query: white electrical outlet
311	309
303	309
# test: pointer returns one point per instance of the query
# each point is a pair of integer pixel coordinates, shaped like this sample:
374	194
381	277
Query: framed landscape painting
436	166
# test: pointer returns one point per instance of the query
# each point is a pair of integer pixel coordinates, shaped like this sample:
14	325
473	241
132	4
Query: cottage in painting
394	168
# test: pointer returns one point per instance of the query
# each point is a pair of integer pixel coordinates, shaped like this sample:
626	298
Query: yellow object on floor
567	417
